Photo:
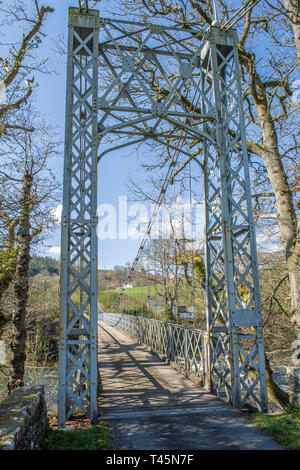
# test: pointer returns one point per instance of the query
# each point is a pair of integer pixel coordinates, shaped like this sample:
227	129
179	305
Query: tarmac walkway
151	406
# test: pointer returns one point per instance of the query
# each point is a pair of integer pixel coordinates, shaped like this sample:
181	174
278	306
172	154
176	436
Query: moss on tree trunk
21	287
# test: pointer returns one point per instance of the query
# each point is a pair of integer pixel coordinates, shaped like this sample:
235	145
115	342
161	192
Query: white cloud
54	250
56	213
269	240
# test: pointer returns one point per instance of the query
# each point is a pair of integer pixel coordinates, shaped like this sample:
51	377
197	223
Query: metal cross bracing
78	347
234	318
131	82
184	346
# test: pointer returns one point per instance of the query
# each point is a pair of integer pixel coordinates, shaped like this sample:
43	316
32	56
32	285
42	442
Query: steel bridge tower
199	101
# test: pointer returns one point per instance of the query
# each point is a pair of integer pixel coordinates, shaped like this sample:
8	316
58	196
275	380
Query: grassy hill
43	312
136	291
131	296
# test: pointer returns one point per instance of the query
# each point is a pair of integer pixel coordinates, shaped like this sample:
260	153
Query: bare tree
17	67
293	11
8	251
272	115
24	166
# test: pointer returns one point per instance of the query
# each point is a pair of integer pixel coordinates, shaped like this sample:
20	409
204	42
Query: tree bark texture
293	11
286	211
21	287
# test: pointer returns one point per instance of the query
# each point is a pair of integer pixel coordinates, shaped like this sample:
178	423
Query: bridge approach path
151	406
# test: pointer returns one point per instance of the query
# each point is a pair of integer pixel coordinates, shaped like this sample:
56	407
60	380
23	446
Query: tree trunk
8	257
286	214
293	10
294	273
21	287
7	271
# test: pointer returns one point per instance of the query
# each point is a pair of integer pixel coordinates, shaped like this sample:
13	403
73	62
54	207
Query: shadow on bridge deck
151	406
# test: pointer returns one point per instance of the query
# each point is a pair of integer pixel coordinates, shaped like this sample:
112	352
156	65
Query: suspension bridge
133	82
150	404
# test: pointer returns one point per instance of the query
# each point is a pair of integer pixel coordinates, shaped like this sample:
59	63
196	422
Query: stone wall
23	419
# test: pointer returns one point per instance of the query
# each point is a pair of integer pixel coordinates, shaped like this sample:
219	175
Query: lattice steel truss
78	350
179	344
234	318
176	87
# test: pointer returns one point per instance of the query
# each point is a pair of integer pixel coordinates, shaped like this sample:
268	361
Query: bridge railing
181	345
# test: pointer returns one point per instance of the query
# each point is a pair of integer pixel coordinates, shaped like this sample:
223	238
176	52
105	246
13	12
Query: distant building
187	315
186	312
127	286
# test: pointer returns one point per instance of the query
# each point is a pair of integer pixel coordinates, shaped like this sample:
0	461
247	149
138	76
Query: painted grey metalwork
176	87
78	342
181	345
234	318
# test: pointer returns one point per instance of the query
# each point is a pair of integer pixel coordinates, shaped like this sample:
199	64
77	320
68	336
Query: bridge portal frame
127	50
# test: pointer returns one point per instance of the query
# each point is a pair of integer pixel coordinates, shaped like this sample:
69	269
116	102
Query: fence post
170	343
185	349
207	360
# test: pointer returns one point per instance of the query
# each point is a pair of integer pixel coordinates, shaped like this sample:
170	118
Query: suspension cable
227	26
154	214
168	177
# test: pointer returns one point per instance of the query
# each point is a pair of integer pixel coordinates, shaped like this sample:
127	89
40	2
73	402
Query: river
38	376
49	378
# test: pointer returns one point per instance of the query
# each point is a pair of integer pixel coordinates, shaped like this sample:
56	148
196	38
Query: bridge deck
151	406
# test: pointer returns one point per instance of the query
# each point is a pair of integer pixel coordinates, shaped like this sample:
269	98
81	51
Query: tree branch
8	107
13	72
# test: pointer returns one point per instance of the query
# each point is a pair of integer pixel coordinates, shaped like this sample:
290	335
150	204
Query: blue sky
114	169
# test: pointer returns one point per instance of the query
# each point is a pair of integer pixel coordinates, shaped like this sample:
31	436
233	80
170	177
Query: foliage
42	322
115	278
92	438
139	293
107	298
7	265
275	296
43	263
284	428
27	183
7	270
199	268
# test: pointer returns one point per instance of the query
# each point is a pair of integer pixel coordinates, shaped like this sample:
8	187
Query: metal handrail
182	345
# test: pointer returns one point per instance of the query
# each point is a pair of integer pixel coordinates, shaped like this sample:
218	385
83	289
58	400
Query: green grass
108	297
135	298
139	291
92	438
284	428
